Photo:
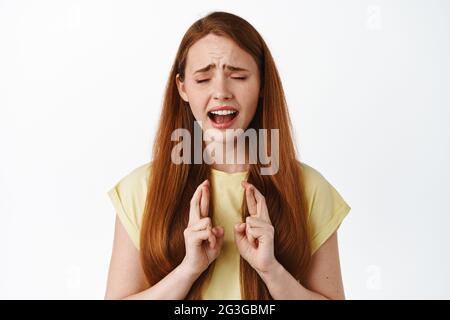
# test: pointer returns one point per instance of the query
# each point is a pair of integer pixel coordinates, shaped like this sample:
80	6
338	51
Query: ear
181	88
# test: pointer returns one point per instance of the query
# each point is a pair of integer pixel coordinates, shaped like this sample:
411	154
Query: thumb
219	232
220	240
240	237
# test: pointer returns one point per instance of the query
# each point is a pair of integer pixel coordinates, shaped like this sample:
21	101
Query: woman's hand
254	238
203	242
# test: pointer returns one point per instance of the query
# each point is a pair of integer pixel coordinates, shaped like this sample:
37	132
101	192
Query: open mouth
222	116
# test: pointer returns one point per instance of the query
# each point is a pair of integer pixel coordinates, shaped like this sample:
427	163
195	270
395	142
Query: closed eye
206	80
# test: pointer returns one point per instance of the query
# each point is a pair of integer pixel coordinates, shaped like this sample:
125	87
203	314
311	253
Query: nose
221	90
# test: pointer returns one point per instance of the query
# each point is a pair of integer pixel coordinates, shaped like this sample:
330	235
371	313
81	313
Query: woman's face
220	75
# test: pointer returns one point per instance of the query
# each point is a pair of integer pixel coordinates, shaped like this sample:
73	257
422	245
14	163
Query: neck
230	167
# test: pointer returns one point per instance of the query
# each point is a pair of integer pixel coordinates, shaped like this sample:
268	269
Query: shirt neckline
223	173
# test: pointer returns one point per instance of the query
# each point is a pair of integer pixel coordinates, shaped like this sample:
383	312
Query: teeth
223	112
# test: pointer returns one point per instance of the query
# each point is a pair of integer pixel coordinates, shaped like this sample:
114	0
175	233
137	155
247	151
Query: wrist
188	272
273	272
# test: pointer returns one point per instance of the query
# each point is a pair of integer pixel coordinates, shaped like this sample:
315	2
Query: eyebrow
212	65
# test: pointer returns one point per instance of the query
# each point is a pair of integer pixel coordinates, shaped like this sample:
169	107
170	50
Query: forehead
219	50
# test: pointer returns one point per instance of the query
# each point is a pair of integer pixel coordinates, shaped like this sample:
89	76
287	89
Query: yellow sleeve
128	199
327	208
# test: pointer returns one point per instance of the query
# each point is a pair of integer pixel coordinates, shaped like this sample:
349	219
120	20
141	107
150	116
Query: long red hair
171	186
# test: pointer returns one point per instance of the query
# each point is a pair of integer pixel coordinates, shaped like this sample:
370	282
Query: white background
81	85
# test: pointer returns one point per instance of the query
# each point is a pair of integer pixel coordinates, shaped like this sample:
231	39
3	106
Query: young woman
225	230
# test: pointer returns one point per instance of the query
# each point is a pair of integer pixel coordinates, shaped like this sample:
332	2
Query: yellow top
326	211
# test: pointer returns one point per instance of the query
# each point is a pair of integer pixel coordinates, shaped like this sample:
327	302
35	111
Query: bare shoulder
125	276
324	275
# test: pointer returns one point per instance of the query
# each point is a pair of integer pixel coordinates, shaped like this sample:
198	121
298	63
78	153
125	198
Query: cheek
250	113
197	111
197	104
249	96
